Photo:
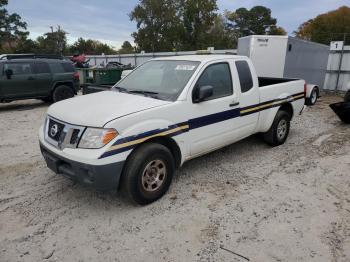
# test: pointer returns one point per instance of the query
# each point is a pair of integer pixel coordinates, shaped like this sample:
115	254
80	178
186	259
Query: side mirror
8	73
201	93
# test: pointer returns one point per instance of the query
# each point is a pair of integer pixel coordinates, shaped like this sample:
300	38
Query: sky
108	20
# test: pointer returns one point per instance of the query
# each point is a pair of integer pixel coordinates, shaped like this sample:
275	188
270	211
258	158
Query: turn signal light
109	135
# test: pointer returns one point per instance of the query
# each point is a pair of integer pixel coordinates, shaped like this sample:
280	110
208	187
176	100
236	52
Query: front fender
138	133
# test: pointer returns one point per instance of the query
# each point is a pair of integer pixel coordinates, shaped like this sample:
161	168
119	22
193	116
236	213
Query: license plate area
51	162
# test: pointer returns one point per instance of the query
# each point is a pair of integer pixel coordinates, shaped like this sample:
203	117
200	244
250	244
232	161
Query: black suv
50	78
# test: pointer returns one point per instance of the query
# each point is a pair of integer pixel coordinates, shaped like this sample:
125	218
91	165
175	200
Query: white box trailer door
268	53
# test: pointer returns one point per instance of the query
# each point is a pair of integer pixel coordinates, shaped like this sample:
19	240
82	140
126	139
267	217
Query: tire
310	101
148	162
279	130
61	93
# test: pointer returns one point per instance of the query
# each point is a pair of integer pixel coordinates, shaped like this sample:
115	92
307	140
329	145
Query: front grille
62	135
75	136
55	130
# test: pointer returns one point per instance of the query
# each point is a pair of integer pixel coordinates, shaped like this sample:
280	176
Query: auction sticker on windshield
185	67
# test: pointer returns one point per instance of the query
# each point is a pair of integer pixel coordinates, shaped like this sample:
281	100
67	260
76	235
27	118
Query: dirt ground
244	202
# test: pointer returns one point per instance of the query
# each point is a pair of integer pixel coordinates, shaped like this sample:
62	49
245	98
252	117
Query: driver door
212	125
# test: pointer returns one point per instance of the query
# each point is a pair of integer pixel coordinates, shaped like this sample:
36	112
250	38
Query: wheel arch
267	117
287	107
169	143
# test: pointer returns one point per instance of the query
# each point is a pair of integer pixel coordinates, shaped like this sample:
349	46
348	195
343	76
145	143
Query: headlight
94	138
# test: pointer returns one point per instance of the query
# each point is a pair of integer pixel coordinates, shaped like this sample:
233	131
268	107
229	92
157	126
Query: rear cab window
245	76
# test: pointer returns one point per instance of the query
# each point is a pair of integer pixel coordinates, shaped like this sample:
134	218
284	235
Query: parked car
43	77
165	112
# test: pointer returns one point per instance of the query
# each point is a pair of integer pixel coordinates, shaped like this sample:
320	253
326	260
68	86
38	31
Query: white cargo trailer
287	57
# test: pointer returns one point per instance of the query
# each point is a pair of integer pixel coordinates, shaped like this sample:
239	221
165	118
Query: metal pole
340	62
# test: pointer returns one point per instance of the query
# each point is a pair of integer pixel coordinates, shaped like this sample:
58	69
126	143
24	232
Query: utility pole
340	62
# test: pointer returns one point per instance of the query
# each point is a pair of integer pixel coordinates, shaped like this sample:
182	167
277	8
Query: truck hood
97	109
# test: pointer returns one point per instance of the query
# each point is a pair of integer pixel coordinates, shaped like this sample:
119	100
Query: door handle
234	104
31	78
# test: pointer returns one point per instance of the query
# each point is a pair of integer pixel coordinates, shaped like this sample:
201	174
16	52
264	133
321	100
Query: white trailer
288	57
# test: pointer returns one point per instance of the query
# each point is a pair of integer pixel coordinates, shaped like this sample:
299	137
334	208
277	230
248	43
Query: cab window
19	68
245	76
219	77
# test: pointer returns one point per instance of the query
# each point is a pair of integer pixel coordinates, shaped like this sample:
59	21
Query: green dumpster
99	76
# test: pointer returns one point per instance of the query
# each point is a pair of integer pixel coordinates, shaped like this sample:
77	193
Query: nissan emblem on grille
54	130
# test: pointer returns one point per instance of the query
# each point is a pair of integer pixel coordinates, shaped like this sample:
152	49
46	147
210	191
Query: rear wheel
279	130
62	92
313	97
148	173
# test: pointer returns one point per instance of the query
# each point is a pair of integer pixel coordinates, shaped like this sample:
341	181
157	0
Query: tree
25	45
331	26
256	21
199	16
158	24
11	27
220	35
54	42
91	47
277	30
126	48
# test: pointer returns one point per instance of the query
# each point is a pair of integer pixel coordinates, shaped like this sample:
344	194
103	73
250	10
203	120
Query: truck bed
267	81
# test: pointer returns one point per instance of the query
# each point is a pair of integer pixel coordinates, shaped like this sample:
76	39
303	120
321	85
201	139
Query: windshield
161	79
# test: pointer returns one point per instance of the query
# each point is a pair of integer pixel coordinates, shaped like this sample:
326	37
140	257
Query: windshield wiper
145	93
121	89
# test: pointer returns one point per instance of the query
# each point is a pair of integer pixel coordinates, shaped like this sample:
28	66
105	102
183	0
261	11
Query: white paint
337	45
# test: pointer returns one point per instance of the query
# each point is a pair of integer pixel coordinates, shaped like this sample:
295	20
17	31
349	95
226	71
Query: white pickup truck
165	112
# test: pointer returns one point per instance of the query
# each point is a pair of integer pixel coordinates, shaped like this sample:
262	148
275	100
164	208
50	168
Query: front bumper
101	177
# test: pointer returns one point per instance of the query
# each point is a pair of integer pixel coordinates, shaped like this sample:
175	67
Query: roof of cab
47	60
201	58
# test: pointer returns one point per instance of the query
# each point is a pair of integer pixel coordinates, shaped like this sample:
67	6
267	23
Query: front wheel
148	173
279	130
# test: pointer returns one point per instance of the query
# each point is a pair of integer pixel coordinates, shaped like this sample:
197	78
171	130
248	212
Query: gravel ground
290	203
